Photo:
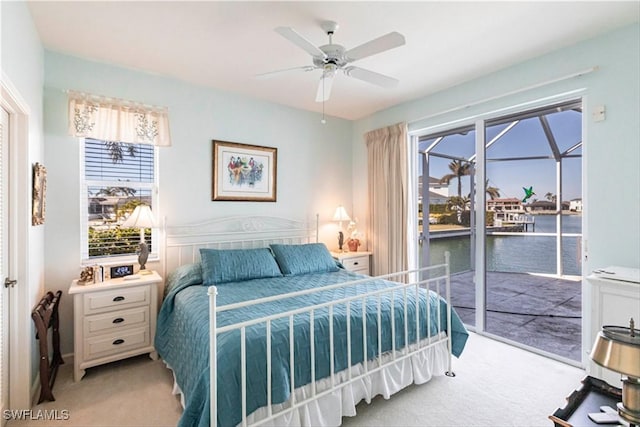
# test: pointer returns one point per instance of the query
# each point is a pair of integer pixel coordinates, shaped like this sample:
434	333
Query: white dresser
358	262
114	320
615	297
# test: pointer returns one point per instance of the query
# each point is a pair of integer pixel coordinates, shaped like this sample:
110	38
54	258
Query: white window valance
111	119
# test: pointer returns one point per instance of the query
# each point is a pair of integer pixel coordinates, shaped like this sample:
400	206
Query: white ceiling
224	44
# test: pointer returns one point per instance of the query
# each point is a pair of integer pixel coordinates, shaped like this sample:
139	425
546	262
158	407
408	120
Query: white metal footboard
428	278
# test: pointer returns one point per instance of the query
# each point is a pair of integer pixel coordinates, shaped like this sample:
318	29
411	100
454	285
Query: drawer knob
118	341
118	320
356	263
119	298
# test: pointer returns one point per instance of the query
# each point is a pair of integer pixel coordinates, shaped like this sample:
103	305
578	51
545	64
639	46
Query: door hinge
8	282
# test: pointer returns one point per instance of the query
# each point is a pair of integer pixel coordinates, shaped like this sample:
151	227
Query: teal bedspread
182	336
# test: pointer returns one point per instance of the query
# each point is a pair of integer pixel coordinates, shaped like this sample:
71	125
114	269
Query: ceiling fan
333	57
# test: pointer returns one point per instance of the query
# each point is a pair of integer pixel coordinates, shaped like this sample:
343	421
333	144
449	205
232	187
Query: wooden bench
45	316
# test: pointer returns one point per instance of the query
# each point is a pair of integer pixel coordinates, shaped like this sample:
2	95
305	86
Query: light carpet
495	385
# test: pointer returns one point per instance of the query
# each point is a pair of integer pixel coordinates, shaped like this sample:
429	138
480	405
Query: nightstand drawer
357	264
100	302
105	345
103	323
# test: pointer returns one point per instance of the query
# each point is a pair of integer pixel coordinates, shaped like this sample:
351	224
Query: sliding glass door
445	210
533	295
504	198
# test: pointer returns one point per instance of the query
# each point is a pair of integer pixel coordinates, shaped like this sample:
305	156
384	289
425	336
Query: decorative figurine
86	276
528	192
143	255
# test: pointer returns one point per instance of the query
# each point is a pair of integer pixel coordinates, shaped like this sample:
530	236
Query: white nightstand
358	262
613	302
114	320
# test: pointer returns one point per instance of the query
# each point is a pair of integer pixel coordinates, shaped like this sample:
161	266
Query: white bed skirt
329	409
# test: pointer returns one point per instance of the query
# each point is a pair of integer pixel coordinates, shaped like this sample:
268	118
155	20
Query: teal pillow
304	259
235	265
184	275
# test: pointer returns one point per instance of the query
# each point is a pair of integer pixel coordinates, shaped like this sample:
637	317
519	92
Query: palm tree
458	203
493	192
550	197
458	170
116	150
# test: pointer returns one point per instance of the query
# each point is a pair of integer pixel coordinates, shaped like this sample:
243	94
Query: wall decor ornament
243	172
39	194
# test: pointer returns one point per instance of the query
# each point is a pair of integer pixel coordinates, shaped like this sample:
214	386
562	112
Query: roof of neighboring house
505	200
542	204
433	183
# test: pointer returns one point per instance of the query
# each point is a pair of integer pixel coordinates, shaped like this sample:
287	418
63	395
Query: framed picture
39	193
243	172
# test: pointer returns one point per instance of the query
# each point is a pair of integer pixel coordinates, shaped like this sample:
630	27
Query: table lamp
341	215
141	218
618	348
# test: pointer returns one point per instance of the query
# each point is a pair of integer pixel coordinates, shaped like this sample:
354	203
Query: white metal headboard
183	242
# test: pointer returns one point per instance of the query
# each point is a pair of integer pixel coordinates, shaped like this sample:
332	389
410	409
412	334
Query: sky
525	139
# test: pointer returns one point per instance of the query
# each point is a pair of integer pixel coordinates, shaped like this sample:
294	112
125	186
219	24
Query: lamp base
145	272
625	414
629	408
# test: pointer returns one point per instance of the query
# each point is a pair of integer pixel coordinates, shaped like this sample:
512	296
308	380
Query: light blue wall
314	160
22	62
611	147
22	67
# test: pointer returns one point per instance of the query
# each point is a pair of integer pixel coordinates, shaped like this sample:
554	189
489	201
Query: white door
4	262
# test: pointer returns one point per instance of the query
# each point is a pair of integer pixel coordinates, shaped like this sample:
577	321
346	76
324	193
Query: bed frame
182	245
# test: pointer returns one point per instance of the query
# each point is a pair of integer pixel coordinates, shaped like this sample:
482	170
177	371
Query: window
116	177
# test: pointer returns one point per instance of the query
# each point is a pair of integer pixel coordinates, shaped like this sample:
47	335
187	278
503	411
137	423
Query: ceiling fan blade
382	43
295	38
324	87
371	76
286	70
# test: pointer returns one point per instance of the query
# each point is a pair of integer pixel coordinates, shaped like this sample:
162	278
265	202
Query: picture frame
39	194
244	172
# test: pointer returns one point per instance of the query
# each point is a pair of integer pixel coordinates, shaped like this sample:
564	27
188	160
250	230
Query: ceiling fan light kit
333	57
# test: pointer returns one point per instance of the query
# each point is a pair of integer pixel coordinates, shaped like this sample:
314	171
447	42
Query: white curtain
111	119
387	150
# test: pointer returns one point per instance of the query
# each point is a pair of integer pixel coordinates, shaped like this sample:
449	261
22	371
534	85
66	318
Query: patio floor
541	312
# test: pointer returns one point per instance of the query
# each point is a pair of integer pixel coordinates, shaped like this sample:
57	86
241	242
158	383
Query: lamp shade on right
341	214
618	348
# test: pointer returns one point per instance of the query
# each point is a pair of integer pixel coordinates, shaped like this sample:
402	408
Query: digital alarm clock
121	271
